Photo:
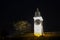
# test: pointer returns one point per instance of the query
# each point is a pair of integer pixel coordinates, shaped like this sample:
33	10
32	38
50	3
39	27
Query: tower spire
37	10
37	13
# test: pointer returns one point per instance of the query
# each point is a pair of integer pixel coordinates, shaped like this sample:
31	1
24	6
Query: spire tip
37	9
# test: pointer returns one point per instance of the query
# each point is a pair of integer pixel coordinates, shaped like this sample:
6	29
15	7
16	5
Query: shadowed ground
30	36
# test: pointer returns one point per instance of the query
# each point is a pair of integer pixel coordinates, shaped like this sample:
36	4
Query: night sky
13	11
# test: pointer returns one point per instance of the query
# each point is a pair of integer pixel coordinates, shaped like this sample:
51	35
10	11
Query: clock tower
38	26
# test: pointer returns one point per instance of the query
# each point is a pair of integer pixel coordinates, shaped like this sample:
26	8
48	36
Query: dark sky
13	11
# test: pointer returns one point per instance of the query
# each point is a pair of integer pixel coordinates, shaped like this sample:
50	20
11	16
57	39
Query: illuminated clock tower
38	26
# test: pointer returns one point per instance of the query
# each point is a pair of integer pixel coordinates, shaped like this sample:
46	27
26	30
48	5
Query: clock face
37	21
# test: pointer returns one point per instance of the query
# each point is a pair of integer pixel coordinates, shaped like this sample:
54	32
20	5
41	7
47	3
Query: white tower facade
38	26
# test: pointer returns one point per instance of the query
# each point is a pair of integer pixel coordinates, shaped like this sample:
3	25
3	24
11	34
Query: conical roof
37	12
